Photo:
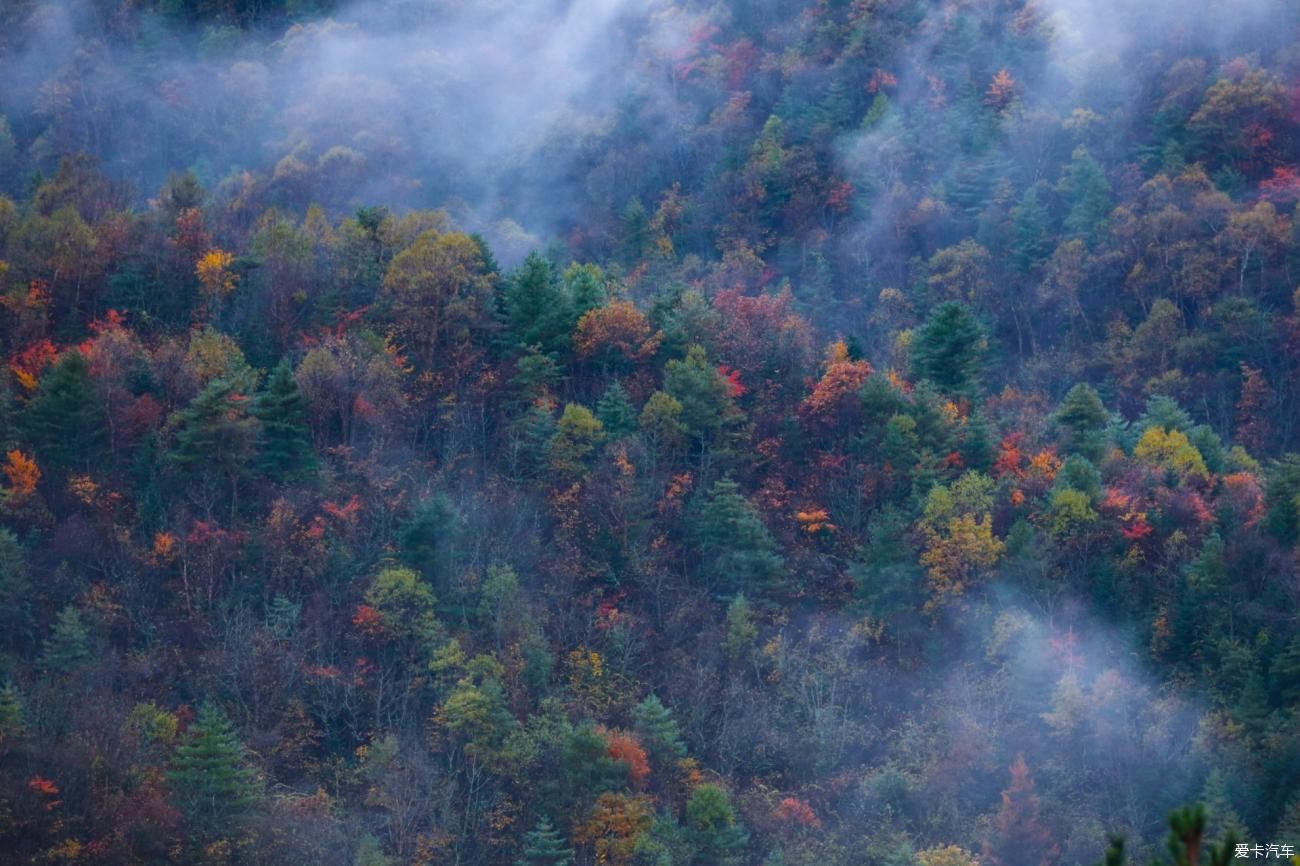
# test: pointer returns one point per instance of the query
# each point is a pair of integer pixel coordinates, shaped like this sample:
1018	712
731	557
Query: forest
649	432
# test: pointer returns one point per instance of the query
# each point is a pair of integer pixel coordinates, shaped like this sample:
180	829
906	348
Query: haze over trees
649	433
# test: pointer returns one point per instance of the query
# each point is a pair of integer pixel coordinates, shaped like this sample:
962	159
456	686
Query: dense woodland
648	433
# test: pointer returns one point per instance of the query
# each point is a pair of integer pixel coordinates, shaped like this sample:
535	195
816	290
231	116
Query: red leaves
368	621
345	513
792	810
45	789
624	748
734	386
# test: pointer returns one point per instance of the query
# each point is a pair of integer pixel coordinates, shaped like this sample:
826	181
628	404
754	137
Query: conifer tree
544	846
285	446
1019	839
657	731
616	412
719	836
536	311
215	437
65	420
12	715
68	647
1083	417
949	350
210	780
738	551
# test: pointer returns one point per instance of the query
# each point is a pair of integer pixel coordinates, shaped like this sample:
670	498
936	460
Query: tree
215	438
544	846
615	411
658	732
1282	500
576	436
68	647
1019	838
1083	417
65	419
702	392
536	310
1088	192
1254	431
949	350
740	631
737	551
718	835
441	293
285	442
211	782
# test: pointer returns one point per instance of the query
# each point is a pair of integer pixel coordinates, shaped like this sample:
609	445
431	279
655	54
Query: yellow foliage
22	472
956	556
1171	449
213	271
946	855
815	520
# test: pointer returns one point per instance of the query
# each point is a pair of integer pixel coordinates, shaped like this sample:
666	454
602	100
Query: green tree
65	420
949	350
737	551
740	629
702	392
214	438
15	591
616	412
68	647
544	846
1088	193
212	784
1282	500
537	312
657	731
576	436
285	445
1083	418
718	835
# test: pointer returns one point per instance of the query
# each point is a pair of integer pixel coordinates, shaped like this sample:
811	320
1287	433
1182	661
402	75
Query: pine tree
536	310
949	350
68	647
738	551
719	836
15	591
701	390
1089	195
212	785
65	420
215	437
544	846
284	443
12	715
1030	240
1222	819
1084	418
616	412
740	629
657	731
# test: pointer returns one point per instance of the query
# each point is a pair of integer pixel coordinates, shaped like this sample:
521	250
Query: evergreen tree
1282	499
285	446
718	835
657	731
949	350
15	591
1031	243
737	550
536	310
616	412
1089	194
702	391
1222	819
64	420
740	629
12	715
1084	418
585	287
215	437
68	647
544	846
211	783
